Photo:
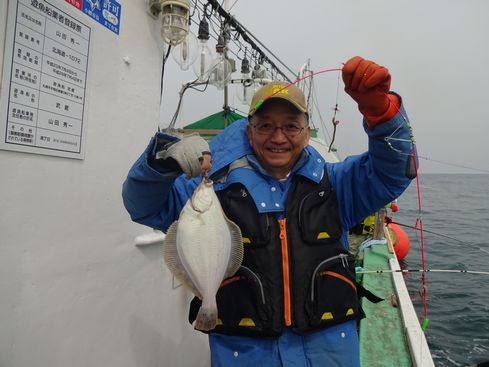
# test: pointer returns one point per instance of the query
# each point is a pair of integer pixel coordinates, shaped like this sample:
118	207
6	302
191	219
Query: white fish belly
204	247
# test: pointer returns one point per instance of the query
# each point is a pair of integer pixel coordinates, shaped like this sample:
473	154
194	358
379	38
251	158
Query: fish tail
207	317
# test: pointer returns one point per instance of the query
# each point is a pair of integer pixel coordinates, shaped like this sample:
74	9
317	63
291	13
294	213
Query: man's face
278	132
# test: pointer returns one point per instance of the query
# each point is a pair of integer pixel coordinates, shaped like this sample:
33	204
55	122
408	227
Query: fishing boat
79	95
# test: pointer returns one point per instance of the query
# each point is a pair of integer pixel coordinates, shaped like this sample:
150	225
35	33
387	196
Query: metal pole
226	91
225	107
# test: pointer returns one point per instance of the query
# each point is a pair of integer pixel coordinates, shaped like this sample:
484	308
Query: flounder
202	248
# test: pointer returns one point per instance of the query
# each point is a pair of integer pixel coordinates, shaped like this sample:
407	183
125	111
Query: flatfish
202	248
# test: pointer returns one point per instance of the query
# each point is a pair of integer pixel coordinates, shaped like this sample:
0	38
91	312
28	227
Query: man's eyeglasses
268	129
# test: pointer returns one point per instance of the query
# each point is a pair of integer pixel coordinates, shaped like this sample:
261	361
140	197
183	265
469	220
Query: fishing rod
387	271
389	220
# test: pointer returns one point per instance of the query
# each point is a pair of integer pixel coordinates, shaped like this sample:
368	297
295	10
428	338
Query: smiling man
294	301
278	130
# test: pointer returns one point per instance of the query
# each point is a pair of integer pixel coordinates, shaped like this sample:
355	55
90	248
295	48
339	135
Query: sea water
457	303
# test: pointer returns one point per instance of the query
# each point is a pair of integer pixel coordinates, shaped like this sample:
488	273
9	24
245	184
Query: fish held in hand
202	248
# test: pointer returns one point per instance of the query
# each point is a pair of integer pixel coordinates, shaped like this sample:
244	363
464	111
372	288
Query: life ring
400	240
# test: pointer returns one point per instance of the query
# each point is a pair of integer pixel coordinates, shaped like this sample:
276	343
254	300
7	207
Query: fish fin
237	250
207	317
172	259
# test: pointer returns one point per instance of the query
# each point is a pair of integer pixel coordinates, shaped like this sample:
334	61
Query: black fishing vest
305	280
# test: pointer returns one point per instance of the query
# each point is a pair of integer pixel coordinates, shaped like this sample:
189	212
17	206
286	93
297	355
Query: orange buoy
400	240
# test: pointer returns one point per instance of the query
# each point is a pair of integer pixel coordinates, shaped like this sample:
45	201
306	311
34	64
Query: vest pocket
318	220
242	305
241	209
332	297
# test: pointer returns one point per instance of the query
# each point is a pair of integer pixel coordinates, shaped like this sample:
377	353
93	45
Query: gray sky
437	52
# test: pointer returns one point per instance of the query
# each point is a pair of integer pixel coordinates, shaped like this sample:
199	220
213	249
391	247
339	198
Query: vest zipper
285	270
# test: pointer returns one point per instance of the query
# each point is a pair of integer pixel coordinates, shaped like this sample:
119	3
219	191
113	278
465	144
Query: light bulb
185	53
174	21
220	73
246	89
203	64
259	72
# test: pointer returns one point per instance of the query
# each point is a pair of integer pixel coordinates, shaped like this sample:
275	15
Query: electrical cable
231	20
165	57
265	47
216	39
189	85
235	1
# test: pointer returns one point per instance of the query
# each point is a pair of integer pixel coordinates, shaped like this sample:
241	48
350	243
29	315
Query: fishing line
333	119
454	164
261	101
389	138
412	170
389	220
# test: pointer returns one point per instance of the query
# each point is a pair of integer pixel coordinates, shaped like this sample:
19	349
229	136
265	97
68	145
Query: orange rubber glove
368	84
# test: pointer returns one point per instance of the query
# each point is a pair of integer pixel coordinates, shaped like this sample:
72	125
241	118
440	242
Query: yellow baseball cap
278	89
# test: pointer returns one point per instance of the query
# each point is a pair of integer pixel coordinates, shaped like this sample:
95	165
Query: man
294	302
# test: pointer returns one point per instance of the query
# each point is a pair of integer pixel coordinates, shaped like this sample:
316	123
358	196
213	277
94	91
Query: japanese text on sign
43	110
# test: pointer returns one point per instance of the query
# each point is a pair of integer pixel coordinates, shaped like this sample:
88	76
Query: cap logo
276	89
281	90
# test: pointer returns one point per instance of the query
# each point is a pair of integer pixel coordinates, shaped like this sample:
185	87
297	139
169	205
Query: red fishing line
423	289
419	223
260	102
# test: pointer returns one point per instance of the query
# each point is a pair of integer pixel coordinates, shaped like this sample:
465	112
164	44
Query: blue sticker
106	12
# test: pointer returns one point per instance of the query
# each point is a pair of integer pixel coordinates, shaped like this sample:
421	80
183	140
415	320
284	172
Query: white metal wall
74	290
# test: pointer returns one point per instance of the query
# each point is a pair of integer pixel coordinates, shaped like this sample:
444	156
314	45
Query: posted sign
44	86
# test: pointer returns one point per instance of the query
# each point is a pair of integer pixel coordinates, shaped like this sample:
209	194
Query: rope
370	242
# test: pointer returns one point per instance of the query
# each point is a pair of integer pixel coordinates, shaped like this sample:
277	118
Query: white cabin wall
3	24
74	290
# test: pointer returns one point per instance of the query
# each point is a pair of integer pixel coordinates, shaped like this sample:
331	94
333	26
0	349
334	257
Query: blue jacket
362	183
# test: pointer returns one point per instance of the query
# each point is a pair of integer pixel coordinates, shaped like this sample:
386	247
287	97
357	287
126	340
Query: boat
82	285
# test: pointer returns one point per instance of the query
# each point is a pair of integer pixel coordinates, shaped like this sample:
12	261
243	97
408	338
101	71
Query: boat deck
382	336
